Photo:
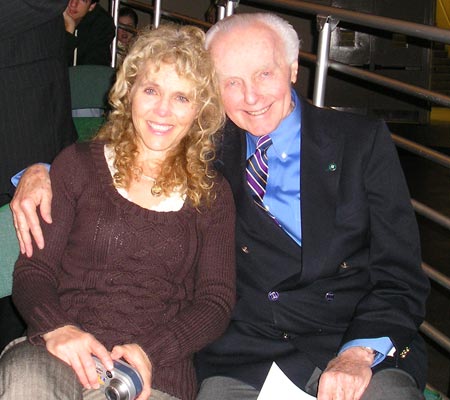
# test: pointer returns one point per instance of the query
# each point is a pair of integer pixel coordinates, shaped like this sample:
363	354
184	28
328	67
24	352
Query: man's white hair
281	27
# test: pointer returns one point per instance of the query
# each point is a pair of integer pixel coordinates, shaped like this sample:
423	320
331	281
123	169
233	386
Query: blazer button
273	296
404	352
329	296
245	249
285	336
344	265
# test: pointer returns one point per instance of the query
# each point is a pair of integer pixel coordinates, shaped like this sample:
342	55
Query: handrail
369	76
431	214
436	276
140	5
359	18
436	335
127	28
422	151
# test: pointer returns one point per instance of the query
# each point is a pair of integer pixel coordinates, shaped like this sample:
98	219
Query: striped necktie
258	170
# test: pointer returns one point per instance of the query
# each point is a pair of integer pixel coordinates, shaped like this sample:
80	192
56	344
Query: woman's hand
75	347
137	358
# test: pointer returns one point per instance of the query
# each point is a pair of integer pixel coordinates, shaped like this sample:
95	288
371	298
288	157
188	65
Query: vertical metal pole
157	13
115	15
220	12
323	51
230	8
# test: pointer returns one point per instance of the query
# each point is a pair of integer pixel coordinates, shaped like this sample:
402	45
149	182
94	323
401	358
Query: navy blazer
357	274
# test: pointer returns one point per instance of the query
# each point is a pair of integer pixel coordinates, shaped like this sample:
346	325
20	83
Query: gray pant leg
158	395
31	372
388	384
225	388
392	384
99	395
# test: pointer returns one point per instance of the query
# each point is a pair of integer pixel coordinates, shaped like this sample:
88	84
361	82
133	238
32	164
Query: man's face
255	79
78	9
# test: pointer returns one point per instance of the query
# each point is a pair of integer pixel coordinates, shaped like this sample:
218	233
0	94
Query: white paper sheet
278	386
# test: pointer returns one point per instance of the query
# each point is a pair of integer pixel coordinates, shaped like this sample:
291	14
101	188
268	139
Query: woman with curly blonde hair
139	259
188	166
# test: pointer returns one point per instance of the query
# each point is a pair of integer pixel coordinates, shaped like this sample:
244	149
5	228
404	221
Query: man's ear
92	6
294	71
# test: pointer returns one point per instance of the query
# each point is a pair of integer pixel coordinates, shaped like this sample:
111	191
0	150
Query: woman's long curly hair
188	167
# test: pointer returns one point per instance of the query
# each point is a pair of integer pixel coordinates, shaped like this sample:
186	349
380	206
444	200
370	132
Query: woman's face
162	109
124	36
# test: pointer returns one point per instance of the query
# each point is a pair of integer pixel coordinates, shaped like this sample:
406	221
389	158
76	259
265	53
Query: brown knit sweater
163	280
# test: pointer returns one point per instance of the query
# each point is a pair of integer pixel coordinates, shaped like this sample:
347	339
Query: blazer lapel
321	155
251	219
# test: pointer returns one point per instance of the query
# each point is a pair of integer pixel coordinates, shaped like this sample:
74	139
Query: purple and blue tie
258	170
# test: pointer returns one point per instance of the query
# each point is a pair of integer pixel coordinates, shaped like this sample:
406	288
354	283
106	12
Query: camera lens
112	394
116	390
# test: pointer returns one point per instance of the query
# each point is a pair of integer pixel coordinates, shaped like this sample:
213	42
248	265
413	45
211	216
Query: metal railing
328	18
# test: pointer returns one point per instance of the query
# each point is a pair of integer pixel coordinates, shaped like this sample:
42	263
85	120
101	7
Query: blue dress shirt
282	198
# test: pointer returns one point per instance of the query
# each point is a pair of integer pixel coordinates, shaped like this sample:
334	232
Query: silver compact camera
123	382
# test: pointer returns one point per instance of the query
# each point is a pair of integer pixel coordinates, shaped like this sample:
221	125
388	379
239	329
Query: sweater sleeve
207	317
35	279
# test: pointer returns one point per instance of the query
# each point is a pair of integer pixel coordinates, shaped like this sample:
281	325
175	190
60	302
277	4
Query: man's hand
69	22
34	190
137	358
75	347
346	376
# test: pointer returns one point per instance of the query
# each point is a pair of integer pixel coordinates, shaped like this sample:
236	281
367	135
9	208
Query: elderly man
328	267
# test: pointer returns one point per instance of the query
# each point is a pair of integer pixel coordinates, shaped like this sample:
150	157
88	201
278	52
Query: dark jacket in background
35	109
95	33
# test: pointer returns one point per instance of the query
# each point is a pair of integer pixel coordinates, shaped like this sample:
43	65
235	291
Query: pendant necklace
156	190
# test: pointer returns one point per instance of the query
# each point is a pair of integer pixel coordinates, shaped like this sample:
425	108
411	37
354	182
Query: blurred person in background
90	31
129	18
35	109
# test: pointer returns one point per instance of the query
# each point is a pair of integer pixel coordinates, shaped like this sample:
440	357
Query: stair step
438	45
440	54
440	69
445	85
444	92
440	77
440	61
